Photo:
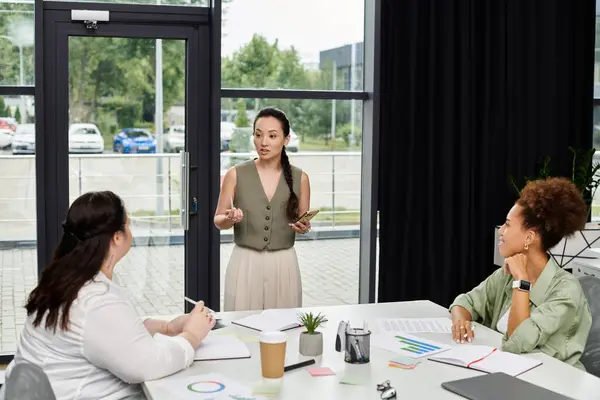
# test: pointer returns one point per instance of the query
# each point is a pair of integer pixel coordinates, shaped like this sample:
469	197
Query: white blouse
106	352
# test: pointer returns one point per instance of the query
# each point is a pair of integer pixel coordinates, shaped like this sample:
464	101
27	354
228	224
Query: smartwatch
522	285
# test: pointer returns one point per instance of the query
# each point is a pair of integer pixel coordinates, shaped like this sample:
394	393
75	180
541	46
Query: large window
290	44
596	127
314	45
18	262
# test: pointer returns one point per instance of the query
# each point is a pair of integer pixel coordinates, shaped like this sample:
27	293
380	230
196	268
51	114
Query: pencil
231	202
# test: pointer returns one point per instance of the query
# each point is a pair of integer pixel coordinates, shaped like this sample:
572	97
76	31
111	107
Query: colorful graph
416	347
206	387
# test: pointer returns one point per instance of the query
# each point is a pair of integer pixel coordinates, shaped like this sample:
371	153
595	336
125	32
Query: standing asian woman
262	199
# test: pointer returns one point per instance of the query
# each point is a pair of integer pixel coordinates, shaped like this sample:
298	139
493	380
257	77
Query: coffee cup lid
273	337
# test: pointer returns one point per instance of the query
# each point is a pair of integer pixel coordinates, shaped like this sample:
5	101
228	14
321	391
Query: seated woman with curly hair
536	305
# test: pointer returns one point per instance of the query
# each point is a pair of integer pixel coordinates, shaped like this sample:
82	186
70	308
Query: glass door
127	118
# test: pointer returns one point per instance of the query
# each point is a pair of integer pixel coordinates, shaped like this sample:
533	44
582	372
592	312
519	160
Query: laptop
500	386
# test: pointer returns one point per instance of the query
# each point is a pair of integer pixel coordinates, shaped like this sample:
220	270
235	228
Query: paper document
271	320
211	386
2	375
221	347
414	325
407	345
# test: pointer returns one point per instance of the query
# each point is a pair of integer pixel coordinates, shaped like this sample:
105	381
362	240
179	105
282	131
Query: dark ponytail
91	222
292	203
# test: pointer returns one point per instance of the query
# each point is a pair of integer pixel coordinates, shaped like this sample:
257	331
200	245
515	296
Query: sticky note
263	388
404	360
400	366
320	371
354	379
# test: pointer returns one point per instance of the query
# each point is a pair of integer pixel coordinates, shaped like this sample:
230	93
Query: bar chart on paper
408	345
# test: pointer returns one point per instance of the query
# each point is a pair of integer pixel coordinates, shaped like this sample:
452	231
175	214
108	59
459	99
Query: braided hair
292	203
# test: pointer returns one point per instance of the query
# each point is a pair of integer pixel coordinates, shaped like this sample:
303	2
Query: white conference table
423	382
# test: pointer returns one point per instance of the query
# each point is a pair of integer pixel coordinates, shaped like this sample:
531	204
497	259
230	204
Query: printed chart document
486	359
407	345
271	320
414	325
210	386
221	347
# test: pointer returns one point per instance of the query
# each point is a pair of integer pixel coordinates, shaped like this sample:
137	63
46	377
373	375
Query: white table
423	382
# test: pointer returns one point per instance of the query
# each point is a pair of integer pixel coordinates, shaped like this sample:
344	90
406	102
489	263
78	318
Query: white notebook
218	346
486	359
271	320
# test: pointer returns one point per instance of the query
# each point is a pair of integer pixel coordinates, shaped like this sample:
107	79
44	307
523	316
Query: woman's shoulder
243	166
99	290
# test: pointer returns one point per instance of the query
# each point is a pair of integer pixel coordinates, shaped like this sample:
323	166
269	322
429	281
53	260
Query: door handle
184	209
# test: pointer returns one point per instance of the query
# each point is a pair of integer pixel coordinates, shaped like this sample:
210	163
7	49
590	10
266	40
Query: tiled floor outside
154	277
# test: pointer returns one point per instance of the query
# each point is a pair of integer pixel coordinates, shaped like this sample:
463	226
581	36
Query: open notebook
271	320
486	359
217	346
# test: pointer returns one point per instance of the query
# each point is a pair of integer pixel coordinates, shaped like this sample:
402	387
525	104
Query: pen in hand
195	302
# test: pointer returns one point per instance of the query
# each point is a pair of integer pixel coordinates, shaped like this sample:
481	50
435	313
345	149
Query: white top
502	325
106	353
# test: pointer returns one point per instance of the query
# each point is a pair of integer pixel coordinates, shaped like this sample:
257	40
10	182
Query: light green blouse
560	319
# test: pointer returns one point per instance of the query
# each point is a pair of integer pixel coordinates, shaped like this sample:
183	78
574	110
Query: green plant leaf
311	321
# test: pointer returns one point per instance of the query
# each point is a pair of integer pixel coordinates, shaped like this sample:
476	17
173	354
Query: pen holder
358	346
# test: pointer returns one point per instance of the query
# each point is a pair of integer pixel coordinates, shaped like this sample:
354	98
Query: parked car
24	139
85	138
174	139
134	140
227	129
7	129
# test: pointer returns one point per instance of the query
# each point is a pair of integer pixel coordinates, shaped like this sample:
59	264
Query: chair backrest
28	382
591	354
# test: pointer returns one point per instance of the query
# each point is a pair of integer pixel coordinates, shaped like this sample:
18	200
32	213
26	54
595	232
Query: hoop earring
526	246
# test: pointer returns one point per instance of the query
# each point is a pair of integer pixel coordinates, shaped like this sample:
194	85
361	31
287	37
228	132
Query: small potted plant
311	341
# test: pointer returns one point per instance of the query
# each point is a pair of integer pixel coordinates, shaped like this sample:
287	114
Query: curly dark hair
554	208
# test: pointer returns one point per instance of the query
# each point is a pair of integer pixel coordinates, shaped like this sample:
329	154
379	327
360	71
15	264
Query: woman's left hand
300	227
176	325
517	265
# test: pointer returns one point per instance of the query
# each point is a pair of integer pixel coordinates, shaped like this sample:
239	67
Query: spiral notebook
486	359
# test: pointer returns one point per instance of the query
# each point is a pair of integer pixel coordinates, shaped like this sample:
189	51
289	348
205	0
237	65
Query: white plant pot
311	344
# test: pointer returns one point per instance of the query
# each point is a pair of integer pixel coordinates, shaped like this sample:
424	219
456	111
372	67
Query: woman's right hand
198	324
234	214
462	328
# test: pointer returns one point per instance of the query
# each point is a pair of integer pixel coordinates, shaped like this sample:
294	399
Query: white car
6	137
226	132
85	138
24	139
174	139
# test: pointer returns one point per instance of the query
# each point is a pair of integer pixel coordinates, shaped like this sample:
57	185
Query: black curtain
472	91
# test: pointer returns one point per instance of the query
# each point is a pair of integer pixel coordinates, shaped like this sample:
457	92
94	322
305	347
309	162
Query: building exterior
341	58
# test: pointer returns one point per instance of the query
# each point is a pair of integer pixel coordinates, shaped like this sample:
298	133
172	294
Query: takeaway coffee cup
272	354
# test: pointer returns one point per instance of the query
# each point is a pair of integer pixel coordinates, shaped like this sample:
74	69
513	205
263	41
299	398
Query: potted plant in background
311	341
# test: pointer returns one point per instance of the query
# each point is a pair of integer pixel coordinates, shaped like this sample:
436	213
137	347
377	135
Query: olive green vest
265	224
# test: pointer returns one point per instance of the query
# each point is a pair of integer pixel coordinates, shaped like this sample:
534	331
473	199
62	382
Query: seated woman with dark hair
83	331
536	305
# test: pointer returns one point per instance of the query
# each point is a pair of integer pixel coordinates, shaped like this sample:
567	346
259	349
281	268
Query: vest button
266	239
267	218
266	228
268	207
